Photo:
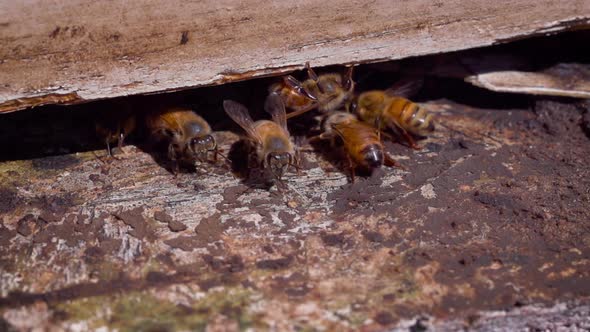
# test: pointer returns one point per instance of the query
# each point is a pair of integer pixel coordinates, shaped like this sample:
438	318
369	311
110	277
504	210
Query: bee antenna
310	72
313	76
348	82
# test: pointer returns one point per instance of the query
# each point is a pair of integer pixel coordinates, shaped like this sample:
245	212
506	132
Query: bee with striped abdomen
389	109
361	142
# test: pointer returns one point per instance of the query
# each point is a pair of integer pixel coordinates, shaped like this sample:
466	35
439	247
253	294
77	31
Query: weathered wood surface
72	51
491	215
564	79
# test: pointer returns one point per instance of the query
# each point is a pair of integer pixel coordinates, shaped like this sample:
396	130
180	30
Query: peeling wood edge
235	76
572	24
72	98
534	90
13	105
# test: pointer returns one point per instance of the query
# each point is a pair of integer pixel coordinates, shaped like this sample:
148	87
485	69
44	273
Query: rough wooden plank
73	51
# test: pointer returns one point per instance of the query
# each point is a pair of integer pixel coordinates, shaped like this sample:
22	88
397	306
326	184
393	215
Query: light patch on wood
427	191
564	79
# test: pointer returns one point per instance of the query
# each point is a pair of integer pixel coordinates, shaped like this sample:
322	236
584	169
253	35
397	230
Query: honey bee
361	142
115	126
187	134
326	92
270	139
390	110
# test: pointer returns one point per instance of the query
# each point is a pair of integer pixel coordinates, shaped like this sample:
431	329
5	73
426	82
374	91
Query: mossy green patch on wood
143	311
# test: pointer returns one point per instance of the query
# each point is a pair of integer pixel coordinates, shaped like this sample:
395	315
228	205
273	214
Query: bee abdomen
416	119
372	155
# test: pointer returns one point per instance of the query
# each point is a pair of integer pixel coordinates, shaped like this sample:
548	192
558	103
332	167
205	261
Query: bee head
201	145
373	156
330	84
278	162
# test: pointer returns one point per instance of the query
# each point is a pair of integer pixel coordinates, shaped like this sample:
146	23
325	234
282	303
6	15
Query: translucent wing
356	133
276	108
239	113
405	88
340	128
293	83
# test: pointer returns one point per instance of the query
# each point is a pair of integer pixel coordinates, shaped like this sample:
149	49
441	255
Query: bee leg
110	150
390	162
296	167
389	137
110	153
379	129
297	162
301	111
314	139
407	136
320	137
218	152
172	156
120	142
351	168
280	185
99	158
306	150
175	168
411	141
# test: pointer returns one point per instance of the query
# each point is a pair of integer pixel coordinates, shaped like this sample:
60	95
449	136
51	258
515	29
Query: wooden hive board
73	51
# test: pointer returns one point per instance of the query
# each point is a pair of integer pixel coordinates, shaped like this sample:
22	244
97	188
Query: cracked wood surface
490	216
73	51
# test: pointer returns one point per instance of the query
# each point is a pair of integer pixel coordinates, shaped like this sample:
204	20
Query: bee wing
338	128
358	133
276	108
405	88
239	113
293	83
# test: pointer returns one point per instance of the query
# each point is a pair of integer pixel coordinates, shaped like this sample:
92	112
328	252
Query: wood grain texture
564	79
81	50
